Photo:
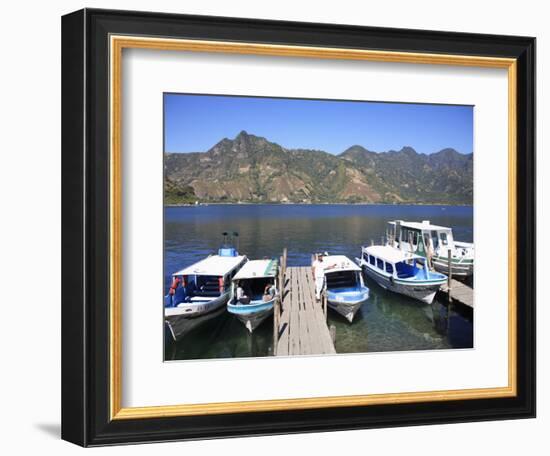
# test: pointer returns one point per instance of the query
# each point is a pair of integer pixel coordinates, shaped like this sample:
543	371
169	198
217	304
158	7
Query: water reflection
387	322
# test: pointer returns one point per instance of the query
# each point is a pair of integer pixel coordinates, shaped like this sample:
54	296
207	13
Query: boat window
389	268
255	288
341	279
435	241
410	237
404	270
372	260
443	237
366	257
207	285
427	239
379	263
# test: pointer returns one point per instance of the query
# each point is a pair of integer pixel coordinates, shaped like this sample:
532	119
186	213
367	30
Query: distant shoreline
315	204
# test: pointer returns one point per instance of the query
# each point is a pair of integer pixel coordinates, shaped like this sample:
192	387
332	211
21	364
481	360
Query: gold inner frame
117	44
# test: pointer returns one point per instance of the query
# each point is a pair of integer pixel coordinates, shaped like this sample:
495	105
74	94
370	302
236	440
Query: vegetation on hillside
251	169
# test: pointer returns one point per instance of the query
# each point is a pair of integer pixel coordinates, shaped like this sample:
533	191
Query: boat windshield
204	286
341	279
256	289
405	270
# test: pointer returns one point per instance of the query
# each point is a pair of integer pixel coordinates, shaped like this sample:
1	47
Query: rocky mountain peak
250	168
408	151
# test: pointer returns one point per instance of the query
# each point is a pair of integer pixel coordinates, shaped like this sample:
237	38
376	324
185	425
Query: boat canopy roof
424	225
340	263
214	265
390	254
257	269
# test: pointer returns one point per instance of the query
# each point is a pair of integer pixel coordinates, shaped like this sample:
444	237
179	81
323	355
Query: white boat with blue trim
253	292
401	272
433	242
345	289
200	292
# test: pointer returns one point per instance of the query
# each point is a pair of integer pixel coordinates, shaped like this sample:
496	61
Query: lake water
386	322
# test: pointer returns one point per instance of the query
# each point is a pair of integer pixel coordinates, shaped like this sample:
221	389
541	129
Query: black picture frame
85	227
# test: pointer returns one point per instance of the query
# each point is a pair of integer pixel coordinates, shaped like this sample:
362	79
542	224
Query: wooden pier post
276	320
449	281
278	302
449	269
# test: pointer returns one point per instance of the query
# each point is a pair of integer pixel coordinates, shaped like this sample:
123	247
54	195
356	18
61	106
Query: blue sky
194	123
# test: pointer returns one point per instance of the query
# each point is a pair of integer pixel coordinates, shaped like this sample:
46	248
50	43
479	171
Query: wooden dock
460	292
300	323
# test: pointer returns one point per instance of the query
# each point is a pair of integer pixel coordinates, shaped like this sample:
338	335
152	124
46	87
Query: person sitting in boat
269	292
241	295
176	281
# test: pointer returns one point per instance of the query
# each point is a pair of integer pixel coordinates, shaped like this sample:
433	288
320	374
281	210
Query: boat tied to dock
344	286
434	243
402	272
253	292
200	292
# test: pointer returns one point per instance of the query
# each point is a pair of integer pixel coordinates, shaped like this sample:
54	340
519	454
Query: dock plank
316	342
321	319
460	292
308	313
318	319
284	322
283	330
303	329
294	343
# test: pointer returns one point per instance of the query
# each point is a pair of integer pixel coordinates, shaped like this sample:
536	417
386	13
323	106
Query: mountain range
251	169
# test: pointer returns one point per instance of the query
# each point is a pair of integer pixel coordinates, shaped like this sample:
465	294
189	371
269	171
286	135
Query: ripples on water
386	322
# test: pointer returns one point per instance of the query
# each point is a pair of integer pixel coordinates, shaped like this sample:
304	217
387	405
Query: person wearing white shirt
241	296
318	268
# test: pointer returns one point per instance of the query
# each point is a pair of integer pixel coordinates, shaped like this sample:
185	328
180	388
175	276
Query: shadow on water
456	324
386	322
390	322
223	337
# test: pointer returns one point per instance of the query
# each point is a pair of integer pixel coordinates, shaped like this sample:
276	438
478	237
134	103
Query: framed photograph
279	227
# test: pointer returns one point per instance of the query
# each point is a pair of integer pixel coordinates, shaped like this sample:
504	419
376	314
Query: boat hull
184	318
347	303
420	291
251	315
459	269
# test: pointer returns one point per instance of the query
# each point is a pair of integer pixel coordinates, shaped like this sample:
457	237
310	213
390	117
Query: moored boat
401	272
253	292
433	242
344	285
199	291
